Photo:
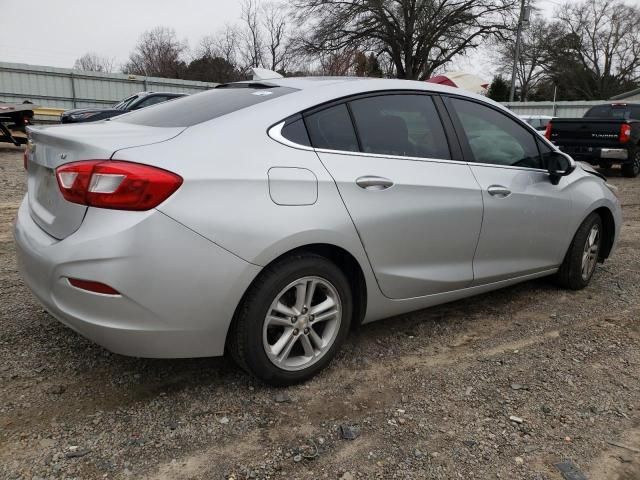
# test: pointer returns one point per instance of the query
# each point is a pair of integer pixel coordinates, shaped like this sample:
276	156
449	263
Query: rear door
525	218
417	211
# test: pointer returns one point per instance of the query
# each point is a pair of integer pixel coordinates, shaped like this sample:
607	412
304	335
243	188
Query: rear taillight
547	131
116	184
625	133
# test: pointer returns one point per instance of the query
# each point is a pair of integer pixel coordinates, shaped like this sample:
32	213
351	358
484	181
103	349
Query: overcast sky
59	31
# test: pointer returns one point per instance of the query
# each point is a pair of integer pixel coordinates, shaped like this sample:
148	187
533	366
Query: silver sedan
267	218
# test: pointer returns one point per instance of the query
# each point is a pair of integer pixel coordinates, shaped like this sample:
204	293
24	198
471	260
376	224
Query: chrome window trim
275	132
392	157
511	167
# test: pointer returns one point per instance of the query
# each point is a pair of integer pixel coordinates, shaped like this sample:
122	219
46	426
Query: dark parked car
607	134
134	102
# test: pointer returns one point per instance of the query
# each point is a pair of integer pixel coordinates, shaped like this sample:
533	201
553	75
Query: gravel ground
429	394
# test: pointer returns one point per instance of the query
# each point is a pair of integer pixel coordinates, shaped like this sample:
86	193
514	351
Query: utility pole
516	55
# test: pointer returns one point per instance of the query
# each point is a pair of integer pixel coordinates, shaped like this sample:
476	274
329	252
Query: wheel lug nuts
311	318
296	331
293	319
304	310
306	331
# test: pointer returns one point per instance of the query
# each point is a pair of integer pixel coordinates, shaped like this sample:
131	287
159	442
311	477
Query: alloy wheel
302	323
590	252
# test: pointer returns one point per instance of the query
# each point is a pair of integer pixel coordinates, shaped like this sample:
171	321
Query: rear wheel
632	168
292	321
580	261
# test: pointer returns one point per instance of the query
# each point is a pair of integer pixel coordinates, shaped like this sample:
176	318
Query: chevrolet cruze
267	218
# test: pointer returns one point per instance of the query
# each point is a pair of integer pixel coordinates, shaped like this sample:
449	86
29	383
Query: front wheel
292	320
632	167
580	261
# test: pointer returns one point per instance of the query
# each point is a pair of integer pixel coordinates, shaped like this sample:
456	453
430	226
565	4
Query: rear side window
201	107
495	138
400	125
599	111
332	129
296	132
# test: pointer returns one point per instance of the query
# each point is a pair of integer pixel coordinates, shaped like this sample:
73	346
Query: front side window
332	129
400	125
495	138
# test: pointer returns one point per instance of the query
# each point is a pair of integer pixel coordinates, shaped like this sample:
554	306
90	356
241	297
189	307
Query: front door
526	218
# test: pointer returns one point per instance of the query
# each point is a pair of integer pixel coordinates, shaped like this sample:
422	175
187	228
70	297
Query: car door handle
370	182
498	191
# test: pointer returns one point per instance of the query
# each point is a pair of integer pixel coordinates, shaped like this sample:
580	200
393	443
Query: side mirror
559	165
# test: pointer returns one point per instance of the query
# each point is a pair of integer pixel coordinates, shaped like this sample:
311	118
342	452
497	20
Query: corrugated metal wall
66	88
559	109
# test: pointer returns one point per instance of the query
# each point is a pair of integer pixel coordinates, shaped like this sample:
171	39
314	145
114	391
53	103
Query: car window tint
151	101
404	125
545	151
204	106
332	129
296	132
599	111
495	138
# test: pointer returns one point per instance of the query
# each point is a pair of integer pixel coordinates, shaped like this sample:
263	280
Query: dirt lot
430	393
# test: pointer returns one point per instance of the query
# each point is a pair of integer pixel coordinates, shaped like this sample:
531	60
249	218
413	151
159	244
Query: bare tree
418	36
159	53
338	63
277	42
222	44
535	47
92	62
603	38
216	58
251	35
265	36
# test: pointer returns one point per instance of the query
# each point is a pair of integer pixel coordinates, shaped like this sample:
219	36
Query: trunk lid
601	132
57	145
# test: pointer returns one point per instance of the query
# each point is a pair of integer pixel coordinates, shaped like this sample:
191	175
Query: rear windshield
623	112
198	108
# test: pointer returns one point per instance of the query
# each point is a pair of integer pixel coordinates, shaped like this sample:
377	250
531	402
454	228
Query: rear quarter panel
225	195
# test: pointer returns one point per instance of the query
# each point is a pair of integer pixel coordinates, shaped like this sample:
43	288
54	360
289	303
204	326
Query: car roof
341	86
345	86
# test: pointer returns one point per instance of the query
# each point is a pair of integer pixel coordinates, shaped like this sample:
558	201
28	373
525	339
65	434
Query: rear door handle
371	182
498	191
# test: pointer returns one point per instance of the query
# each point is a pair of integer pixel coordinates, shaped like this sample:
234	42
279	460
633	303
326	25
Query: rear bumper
614	153
595	155
178	290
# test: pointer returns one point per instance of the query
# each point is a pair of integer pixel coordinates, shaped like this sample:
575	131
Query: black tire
245	339
632	167
570	275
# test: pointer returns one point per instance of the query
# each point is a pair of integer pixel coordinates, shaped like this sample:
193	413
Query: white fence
64	88
574	109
